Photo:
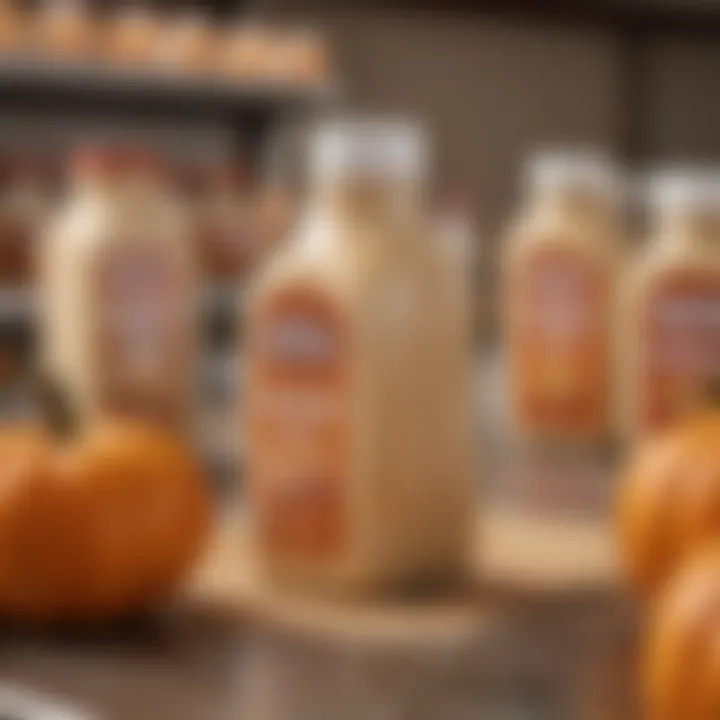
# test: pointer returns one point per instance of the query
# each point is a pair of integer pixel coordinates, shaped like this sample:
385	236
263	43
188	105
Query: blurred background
224	91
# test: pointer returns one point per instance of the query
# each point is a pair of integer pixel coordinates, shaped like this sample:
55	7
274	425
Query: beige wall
492	90
684	98
489	92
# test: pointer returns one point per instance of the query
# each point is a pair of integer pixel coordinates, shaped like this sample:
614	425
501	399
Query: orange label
297	430
558	341
679	346
142	336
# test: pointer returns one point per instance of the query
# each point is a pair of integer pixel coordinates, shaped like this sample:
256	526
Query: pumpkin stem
56	411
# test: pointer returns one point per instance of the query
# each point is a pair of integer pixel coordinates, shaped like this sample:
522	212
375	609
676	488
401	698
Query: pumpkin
669	501
97	525
682	654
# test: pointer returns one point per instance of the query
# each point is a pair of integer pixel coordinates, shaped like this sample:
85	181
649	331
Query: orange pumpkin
669	501
102	524
682	661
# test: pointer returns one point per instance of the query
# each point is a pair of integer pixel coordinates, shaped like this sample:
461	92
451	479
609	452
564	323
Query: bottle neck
368	202
577	204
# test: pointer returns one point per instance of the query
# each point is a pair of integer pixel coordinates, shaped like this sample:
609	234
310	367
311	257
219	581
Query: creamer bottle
670	338
118	294
559	266
358	408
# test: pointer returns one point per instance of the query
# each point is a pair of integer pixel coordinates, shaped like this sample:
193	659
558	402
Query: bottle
670	338
299	57
188	44
358	409
133	36
247	52
13	26
558	294
119	294
65	30
223	220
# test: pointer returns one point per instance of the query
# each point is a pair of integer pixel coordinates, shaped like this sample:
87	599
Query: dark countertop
548	662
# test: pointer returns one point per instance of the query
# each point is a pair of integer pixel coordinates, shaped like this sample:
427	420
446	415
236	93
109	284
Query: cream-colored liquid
558	269
360	465
670	323
118	298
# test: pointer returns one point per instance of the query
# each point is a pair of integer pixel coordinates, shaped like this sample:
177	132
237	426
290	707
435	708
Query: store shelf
44	82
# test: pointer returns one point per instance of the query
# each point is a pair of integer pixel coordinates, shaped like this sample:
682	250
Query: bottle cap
368	149
583	171
683	189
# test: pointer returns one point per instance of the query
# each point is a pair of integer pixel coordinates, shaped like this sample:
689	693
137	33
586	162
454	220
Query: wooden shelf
62	86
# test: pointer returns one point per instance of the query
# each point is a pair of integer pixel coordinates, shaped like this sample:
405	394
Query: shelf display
417	514
185	44
13	26
245	53
132	36
300	57
65	30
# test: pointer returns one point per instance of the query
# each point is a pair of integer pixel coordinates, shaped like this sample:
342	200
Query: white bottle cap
683	189
583	171
372	149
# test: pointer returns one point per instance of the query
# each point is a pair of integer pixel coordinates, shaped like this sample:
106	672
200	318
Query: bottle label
679	344
559	324
297	424
143	336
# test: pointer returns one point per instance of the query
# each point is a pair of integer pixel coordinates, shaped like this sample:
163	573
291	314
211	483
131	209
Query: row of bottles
357	395
356	356
186	42
603	343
